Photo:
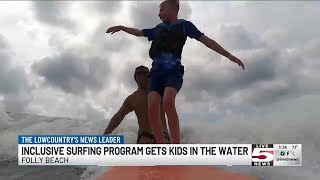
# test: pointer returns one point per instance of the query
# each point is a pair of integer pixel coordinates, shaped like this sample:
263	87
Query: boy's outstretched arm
133	31
118	117
210	43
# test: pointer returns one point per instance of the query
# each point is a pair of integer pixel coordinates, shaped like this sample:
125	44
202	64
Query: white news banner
287	155
134	155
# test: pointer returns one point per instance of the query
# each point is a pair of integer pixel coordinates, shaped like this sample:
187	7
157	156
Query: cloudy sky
57	60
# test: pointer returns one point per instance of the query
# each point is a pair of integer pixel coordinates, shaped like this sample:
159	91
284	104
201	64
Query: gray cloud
14	85
236	37
54	13
74	73
13	79
261	65
51	103
18	102
291	18
127	77
261	94
276	37
3	43
311	50
298	67
106	12
57	41
93	114
103	7
108	44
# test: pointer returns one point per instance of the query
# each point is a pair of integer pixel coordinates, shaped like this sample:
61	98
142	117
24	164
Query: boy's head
141	76
169	10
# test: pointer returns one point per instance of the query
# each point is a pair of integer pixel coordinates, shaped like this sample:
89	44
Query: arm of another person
115	121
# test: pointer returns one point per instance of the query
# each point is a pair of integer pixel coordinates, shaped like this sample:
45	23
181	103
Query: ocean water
295	124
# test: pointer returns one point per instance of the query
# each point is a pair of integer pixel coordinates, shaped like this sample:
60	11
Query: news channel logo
262	154
276	155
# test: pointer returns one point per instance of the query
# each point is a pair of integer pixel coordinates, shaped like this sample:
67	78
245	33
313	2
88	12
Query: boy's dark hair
140	69
174	3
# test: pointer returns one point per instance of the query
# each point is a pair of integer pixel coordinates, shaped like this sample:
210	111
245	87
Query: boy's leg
170	109
154	99
164	124
173	85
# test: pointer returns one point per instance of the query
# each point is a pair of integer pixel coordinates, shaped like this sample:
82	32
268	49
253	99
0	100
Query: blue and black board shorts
159	79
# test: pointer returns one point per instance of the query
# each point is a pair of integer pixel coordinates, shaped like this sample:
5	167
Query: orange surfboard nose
171	173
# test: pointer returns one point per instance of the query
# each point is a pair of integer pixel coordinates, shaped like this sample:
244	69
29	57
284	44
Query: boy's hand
114	29
236	60
133	31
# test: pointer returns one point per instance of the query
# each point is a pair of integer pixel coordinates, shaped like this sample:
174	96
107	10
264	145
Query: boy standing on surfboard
166	75
138	103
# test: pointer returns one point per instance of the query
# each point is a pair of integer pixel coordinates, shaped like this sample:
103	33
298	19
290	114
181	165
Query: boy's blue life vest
169	39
